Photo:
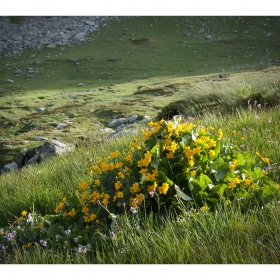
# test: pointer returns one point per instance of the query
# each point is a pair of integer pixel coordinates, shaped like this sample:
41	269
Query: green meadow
149	66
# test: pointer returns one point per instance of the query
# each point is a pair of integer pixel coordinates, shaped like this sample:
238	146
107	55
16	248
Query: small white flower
29	218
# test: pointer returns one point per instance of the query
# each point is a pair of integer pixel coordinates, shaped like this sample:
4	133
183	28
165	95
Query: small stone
61	126
39	138
17	72
147	118
10	81
117	122
132	118
80	84
106	130
10	166
268	34
40	110
24	142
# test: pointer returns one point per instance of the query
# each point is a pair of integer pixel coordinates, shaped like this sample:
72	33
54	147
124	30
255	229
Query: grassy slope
127	54
207	239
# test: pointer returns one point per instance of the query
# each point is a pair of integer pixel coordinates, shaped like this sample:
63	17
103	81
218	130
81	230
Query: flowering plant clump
171	161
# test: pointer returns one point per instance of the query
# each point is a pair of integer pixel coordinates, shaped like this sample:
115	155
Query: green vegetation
237	117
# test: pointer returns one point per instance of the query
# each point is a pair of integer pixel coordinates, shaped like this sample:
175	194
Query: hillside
129	66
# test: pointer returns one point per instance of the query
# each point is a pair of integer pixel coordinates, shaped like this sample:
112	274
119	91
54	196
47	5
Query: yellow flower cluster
146	160
264	159
60	205
234	182
164	188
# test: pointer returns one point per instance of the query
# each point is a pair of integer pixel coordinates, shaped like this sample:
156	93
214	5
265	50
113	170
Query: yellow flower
266	160
197	150
119	194
94	196
118	185
170	155
212	153
152	188
193	172
105	201
212	143
133	202
86	219
115	154
92	217
220	134
143	170
59	207
232	167
135	188
164	188
83	186
139	198
72	212
248	181
85	209
147	134
191	162
23	213
121	175
84	197
204	208
97	182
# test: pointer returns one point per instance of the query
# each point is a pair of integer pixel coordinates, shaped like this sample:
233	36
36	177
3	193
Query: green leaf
155	163
222	172
258	173
164	178
240	159
181	194
167	166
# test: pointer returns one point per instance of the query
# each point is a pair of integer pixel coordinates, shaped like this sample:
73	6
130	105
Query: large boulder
9	167
54	148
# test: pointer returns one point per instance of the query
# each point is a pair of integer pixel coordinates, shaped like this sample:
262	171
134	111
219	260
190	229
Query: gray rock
39	138
54	148
40	110
79	36
61	126
133	118
39	31
23	142
80	84
208	37
268	34
107	130
10	81
34	159
117	122
17	72
147	118
10	166
120	128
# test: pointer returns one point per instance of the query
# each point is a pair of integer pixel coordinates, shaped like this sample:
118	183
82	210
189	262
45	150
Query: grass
145	80
224	237
127	54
